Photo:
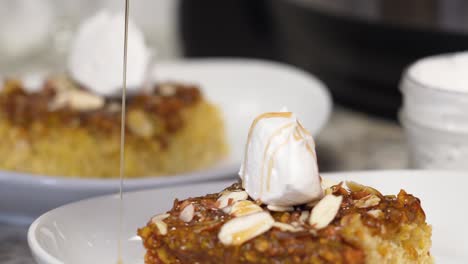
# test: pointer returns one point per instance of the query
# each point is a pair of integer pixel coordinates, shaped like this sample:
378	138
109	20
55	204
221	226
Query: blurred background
358	47
34	34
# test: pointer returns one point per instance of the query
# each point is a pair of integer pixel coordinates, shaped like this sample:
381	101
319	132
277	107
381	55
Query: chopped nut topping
62	83
229	198
376	213
241	229
187	214
139	123
227	209
327	183
368	201
278	208
158	221
114	107
167	89
78	100
356	187
162	227
159	217
287	227
325	211
304	216
242	208
326	186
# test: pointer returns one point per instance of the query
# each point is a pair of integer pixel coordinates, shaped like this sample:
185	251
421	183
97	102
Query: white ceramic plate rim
223	170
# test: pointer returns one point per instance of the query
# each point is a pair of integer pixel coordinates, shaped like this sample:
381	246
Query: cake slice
283	211
352	223
63	129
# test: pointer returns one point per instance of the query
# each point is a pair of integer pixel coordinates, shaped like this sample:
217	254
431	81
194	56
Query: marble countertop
350	141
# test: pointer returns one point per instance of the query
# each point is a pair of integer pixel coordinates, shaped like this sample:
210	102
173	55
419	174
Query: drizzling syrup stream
122	131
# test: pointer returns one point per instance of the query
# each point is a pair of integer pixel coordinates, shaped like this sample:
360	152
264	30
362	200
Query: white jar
435	148
435	111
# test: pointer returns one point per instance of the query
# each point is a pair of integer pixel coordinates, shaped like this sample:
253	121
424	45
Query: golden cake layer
64	130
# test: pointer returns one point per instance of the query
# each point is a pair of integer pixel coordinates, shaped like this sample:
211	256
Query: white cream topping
280	164
96	55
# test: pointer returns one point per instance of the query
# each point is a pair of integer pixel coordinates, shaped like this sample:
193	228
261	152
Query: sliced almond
61	83
357	187
241	229
167	89
241	208
327	183
313	232
188	213
59	101
368	201
325	211
227	209
279	208
162	227
160	217
229	198
78	100
140	124
304	216
296	224
85	101
114	107
158	221
376	213
287	227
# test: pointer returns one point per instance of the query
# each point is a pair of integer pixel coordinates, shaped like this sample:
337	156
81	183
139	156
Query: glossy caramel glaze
197	241
24	109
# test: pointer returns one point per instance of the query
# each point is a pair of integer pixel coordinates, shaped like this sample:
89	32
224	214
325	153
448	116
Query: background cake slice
62	129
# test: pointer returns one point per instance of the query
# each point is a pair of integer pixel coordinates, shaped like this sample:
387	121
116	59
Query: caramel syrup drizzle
267	147
298	135
271	163
122	131
309	147
249	137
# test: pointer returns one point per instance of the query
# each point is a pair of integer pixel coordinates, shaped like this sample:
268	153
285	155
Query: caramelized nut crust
24	109
197	241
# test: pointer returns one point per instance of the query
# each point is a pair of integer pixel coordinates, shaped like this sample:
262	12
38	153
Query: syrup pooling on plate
122	131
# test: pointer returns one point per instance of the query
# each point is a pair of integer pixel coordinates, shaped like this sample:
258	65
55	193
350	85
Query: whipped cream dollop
96	58
280	164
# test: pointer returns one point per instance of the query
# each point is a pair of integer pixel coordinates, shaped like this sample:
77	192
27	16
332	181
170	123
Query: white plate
242	88
87	231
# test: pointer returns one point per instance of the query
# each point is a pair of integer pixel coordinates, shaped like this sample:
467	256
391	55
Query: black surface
360	62
235	28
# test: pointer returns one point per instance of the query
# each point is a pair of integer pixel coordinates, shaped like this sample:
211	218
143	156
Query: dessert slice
351	224
62	129
70	125
284	212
